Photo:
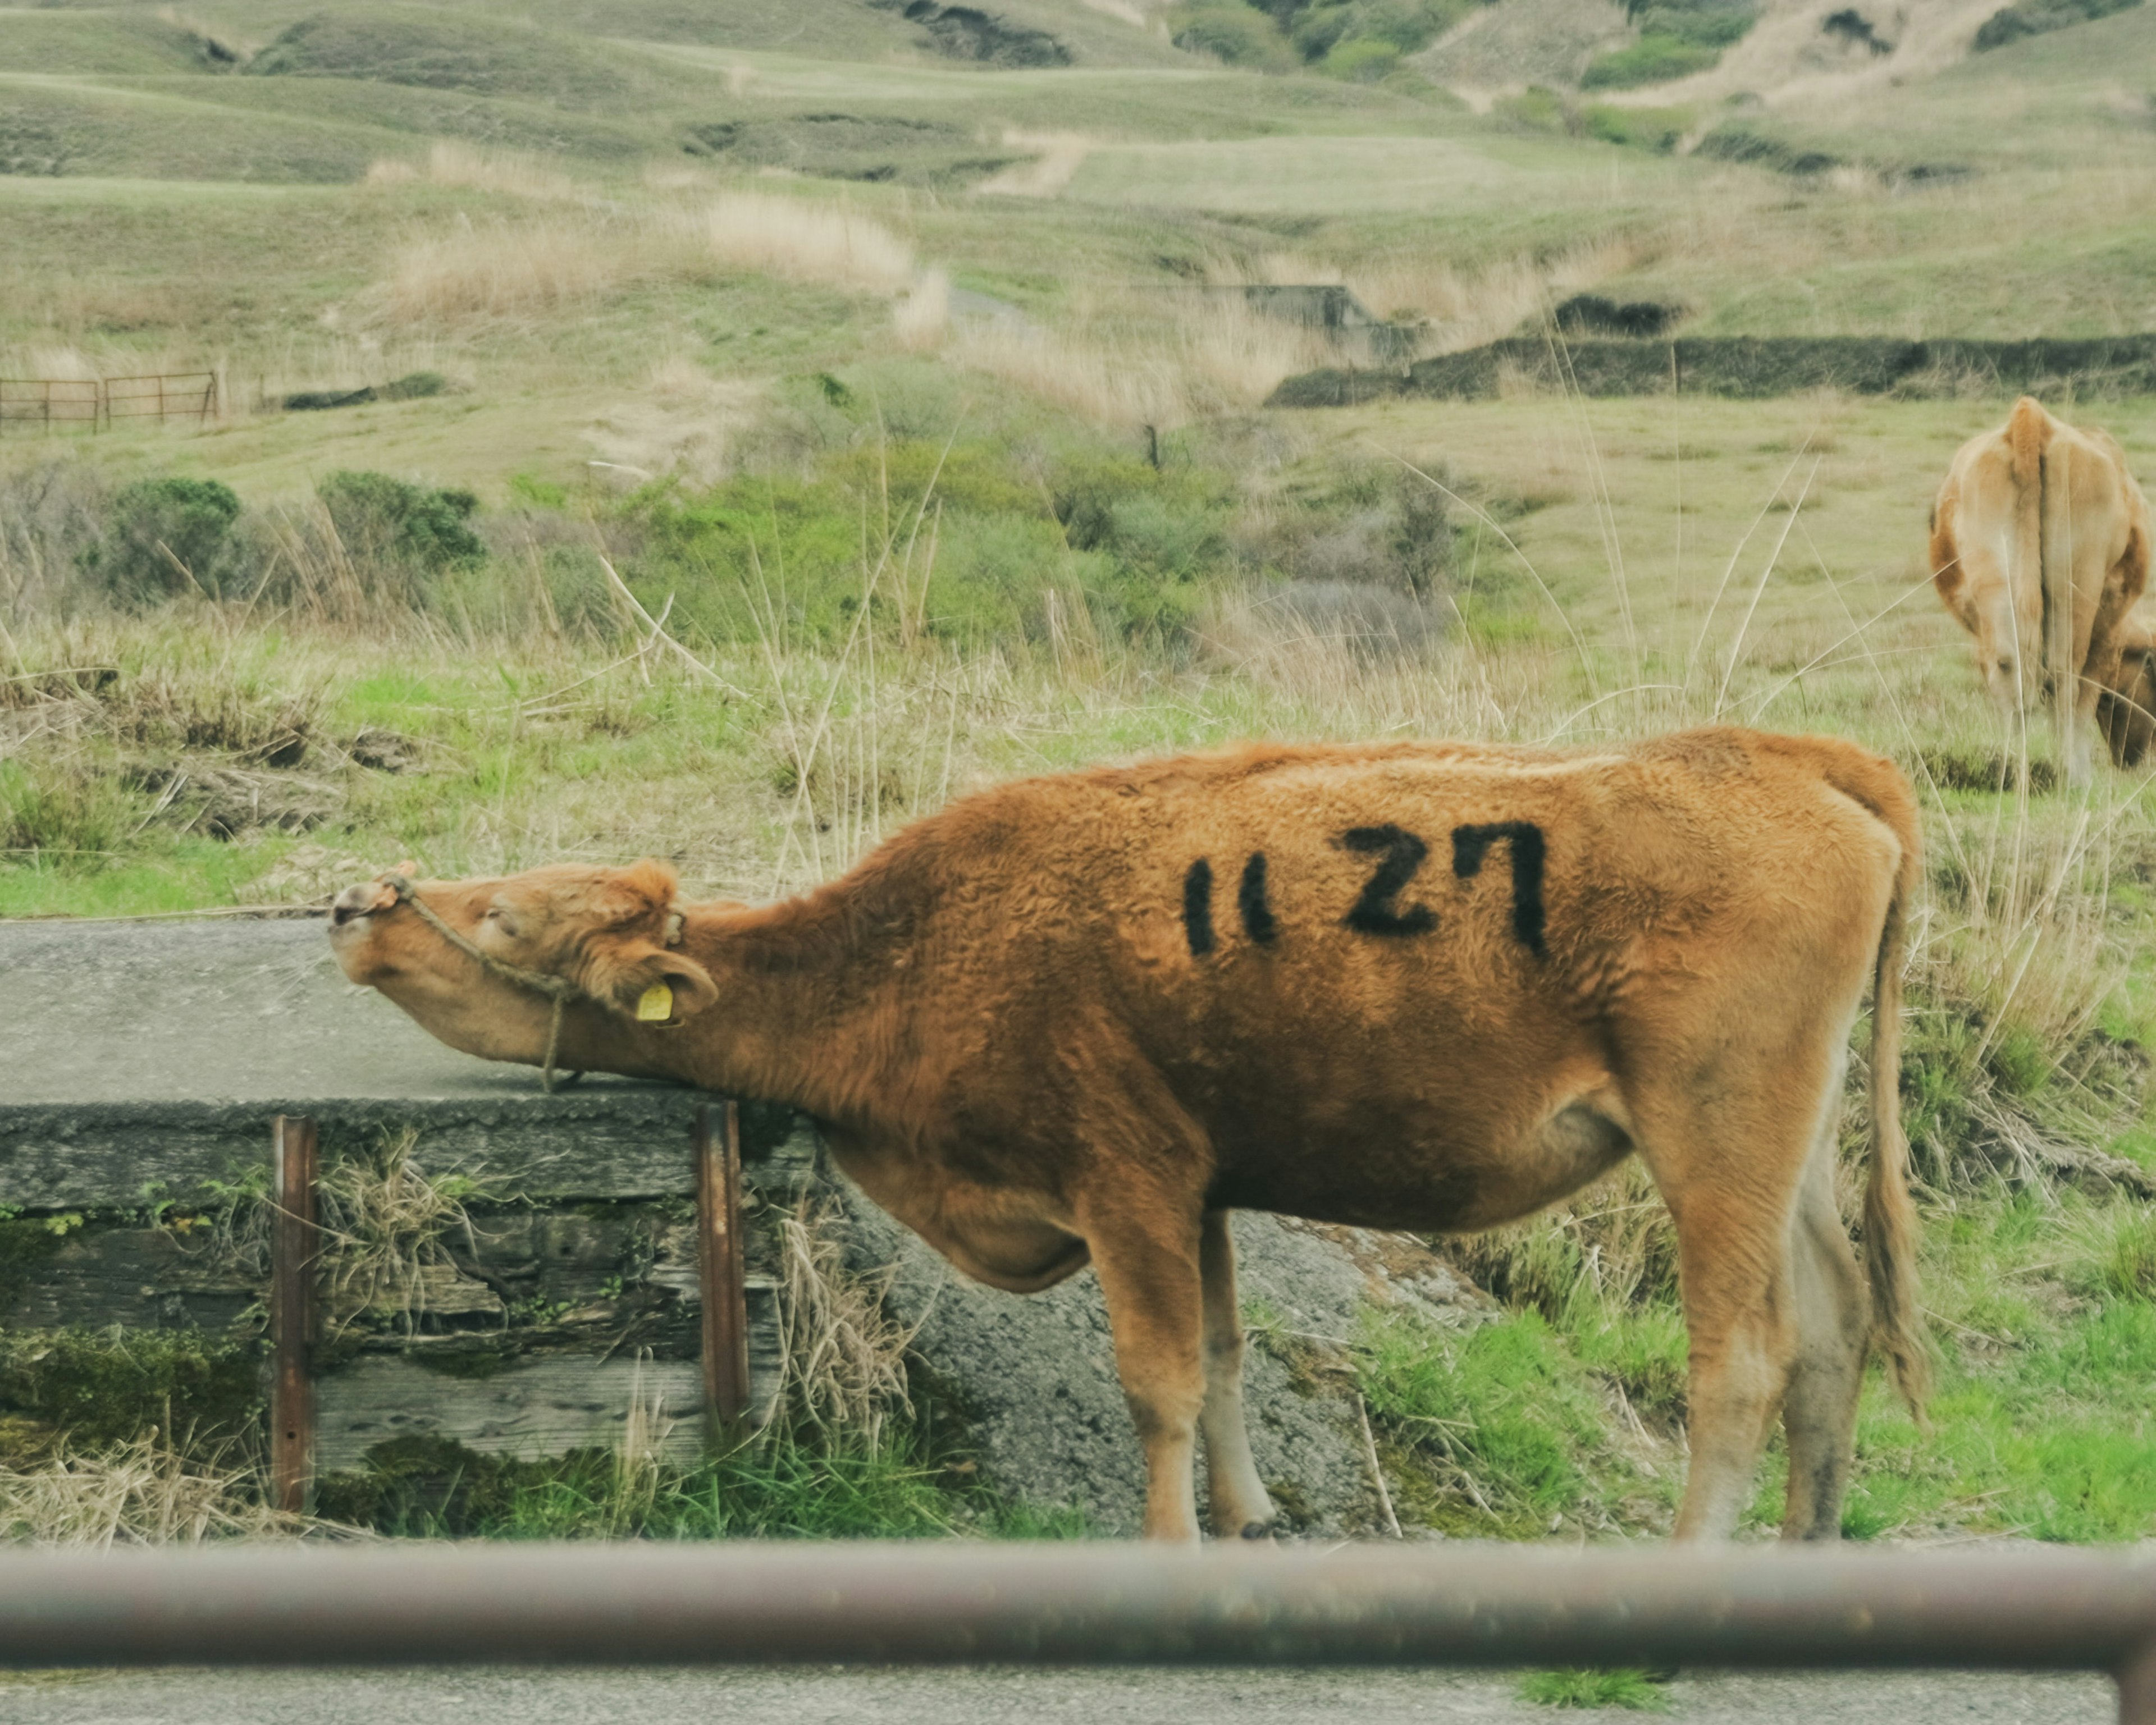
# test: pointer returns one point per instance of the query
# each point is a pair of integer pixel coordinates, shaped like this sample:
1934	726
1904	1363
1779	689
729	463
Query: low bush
167	537
1233	32
1652	59
388	521
1362	60
1660	130
2037	18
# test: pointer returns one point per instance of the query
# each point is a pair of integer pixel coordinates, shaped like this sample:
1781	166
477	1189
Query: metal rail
1101	1605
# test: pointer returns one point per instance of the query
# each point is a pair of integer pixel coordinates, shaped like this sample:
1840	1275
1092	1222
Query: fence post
294	1242
719	1267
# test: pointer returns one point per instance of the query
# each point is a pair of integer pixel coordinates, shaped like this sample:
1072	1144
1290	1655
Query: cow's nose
353	901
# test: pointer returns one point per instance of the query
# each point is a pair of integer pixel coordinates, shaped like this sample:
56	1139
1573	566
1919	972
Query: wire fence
93	404
1061	1604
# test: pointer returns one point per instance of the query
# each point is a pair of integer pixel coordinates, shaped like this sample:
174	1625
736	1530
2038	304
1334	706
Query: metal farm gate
49	404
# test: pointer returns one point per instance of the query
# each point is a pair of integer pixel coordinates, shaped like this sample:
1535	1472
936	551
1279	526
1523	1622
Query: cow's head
459	955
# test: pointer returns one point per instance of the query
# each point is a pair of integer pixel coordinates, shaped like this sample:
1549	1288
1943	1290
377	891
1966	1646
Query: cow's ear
652	985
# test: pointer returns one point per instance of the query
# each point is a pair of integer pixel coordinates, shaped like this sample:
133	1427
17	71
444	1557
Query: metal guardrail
1081	1605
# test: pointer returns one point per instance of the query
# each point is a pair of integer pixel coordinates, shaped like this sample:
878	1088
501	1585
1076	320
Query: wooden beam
295	1241
720	1270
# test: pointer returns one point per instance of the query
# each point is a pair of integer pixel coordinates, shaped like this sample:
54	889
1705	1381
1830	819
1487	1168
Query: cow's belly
1435	1181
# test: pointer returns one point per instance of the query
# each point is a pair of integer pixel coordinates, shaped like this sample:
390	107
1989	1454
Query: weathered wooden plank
540	1406
141	1278
600	1140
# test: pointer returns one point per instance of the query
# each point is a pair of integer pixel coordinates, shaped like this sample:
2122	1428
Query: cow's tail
2043	533
1890	1219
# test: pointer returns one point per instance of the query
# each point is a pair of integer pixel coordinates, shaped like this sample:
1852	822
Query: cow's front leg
1239	1505
1149	1265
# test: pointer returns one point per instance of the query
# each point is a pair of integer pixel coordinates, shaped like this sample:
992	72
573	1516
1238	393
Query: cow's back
1317	949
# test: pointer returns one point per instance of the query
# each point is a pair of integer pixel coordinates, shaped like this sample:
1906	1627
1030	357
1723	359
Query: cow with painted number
1080	1020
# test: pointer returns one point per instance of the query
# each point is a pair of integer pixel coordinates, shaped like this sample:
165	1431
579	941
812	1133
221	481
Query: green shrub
167	537
1235	34
1362	60
1319	28
1538	108
385	522
50	806
2036	17
1660	130
1652	59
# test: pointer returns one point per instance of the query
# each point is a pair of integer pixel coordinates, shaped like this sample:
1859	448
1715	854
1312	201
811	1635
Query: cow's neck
803	987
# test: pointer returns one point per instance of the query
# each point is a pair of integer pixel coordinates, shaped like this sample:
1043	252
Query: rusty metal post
294	1242
719	1267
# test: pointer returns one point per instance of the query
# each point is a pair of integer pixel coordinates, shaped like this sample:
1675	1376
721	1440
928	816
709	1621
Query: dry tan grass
387	1223
520	270
684	422
528	270
1472	306
140	1493
843	1356
451	162
799	241
1123	366
922	318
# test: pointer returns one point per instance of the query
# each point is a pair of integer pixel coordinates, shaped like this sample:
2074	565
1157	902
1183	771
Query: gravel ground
999	1695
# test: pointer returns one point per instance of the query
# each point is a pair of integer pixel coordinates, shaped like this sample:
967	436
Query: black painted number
1471	844
1400	856
1375	912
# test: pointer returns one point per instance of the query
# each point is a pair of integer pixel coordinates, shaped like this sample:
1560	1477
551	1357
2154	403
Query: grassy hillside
917	393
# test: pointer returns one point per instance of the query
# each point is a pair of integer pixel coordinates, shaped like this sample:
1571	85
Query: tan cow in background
2126	710
2040	547
1423	986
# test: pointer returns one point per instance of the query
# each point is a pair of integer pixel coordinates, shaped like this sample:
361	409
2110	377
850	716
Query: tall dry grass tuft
923	317
1471	306
520	271
683	422
1128	365
799	241
139	1493
453	162
528	269
842	1354
388	1222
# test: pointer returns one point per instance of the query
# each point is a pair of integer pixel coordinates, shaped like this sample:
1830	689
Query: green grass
1631	1690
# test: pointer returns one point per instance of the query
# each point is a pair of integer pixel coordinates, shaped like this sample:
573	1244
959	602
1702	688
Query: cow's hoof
1258	1530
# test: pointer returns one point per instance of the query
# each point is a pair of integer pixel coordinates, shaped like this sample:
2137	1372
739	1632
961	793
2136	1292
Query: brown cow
2039	547
1423	986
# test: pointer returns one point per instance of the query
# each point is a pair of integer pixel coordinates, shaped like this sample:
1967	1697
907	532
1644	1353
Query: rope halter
558	989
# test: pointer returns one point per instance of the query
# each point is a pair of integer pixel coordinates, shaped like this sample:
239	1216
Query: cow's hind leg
1730	1174
1833	1311
1238	1504
1147	1257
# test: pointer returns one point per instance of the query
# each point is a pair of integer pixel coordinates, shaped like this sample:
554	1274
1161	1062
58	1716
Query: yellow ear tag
655	1005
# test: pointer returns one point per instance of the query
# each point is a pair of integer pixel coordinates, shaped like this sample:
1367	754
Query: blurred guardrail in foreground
1084	1604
